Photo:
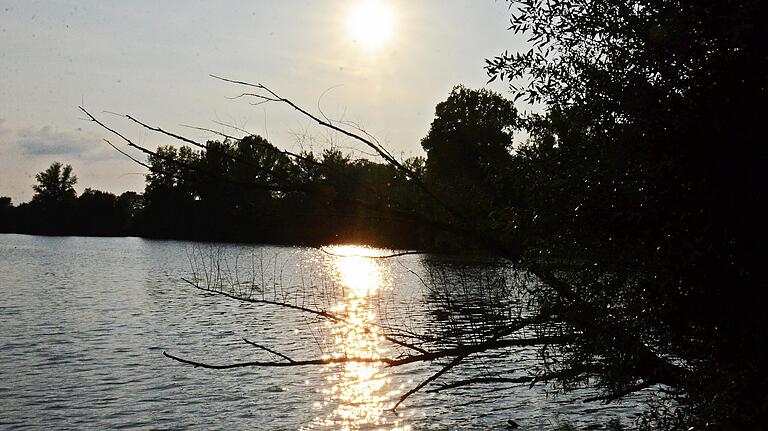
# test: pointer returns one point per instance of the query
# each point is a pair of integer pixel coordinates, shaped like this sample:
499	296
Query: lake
84	323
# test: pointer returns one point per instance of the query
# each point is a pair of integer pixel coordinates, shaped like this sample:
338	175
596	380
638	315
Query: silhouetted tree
637	202
469	146
170	193
130	206
55	185
7	222
97	214
647	174
51	210
93	213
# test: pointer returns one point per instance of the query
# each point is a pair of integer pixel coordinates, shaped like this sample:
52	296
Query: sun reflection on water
356	269
360	393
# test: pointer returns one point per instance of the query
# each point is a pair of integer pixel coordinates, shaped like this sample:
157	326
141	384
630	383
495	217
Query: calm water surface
84	322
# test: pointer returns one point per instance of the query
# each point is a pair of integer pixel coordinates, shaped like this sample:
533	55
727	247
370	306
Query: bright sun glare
371	23
357	271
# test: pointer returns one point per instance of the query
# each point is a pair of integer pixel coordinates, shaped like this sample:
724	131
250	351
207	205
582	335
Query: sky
384	67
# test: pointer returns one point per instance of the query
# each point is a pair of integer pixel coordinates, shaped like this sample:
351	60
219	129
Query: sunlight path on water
85	321
361	391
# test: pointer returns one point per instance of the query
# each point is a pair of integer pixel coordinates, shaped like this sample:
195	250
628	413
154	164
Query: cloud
47	141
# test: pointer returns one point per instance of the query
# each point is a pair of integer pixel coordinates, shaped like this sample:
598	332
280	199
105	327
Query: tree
647	169
642	229
469	146
542	327
52	209
6	214
97	214
170	191
130	205
55	185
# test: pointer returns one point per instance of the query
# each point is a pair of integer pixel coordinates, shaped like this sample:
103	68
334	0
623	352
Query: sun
371	23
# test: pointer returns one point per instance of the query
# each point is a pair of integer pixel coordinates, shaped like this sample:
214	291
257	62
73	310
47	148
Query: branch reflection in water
361	391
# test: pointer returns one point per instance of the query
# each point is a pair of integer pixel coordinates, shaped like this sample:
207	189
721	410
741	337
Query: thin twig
126	154
323	361
431	378
269	350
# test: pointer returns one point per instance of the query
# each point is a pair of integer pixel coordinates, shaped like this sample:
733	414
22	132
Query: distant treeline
248	190
93	213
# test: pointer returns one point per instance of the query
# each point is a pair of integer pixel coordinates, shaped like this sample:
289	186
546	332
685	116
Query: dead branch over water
571	311
211	274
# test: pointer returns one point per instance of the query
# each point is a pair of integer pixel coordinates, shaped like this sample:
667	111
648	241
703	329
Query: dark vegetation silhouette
647	174
229	192
637	202
55	208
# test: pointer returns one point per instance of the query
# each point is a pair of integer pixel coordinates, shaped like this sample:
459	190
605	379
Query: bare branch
613	396
320	313
532	380
264	186
233	127
276	98
323	361
386	256
269	350
320	99
456	361
126	154
159	130
216	132
480	381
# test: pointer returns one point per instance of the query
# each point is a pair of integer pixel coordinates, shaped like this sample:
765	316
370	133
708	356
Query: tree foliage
470	140
56	209
637	202
468	148
248	190
55	185
646	172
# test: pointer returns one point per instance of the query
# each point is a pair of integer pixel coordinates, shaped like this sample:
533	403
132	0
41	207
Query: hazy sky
152	59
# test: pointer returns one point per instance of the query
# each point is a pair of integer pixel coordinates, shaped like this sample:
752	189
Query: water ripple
84	321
